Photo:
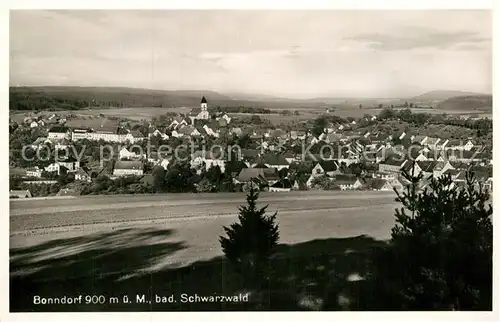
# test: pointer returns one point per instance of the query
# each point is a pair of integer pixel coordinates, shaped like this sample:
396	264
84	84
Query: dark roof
393	162
284	183
345	179
203	99
260	165
248	174
59	129
135	165
427	166
274	159
374	183
110	130
328	165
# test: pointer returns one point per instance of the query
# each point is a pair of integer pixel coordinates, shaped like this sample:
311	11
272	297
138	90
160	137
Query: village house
283	185
128	168
79	134
275	161
345	182
261	177
412	168
82	175
70	164
20	194
108	134
465	156
152	132
391	165
441	167
375	184
59	133
176	134
427	168
34	172
125	154
326	167
207	159
178	122
158	159
34	124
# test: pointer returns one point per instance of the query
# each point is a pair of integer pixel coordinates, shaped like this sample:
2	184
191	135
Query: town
55	155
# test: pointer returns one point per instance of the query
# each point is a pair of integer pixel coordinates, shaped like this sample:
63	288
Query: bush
251	241
440	253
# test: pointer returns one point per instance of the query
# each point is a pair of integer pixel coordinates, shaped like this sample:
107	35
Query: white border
228	4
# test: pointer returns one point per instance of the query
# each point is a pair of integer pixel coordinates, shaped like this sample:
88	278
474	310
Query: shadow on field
315	275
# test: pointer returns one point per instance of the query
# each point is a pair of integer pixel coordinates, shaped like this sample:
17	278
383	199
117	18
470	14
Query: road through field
197	219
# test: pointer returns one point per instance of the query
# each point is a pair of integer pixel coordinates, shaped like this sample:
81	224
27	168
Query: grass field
168	244
91	117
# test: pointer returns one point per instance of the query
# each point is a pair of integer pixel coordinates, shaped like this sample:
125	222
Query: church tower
204	106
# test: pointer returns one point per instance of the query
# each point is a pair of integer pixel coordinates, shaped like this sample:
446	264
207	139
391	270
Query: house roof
20	193
107	130
284	183
195	111
452	172
274	159
248	174
260	165
59	129
374	183
432	141
249	153
455	143
427	166
345	181
393	162
328	165
136	134
188	129
419	138
278	133
207	155
129	165
81	172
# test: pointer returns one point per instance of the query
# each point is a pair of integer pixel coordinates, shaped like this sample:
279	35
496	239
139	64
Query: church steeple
204	105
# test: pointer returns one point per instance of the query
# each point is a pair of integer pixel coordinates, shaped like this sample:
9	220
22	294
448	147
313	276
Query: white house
209	131
124	153
82	175
207	160
127	168
34	124
176	134
59	133
34	172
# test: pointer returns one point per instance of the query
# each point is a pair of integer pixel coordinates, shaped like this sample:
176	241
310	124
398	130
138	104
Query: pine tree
440	253
250	242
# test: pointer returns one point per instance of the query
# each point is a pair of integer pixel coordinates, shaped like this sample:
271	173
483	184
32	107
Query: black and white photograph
250	160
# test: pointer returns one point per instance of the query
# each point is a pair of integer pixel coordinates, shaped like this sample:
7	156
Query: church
200	113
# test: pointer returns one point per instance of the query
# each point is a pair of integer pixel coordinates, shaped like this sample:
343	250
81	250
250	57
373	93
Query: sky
296	54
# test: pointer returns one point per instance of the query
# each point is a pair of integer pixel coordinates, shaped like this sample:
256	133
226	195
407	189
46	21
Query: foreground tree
440	254
250	242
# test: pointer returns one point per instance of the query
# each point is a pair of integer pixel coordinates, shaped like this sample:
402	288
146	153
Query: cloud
415	38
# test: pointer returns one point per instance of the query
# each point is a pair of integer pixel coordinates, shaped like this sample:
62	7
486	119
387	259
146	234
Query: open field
166	244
